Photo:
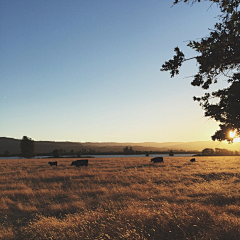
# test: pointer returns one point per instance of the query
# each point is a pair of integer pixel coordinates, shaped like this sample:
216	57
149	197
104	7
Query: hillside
13	146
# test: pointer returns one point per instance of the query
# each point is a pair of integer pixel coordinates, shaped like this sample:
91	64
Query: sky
89	71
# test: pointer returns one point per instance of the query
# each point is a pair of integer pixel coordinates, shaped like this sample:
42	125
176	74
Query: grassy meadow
121	198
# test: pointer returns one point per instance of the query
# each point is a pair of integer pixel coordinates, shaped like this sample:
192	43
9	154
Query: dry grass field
121	198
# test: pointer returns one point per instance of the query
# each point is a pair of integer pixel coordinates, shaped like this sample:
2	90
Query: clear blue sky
89	70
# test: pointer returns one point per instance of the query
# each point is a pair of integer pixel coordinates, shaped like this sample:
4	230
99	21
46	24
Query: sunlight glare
236	140
232	134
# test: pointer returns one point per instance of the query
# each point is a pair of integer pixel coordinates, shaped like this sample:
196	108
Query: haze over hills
13	146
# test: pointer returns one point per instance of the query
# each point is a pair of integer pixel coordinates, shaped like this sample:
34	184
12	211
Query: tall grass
121	198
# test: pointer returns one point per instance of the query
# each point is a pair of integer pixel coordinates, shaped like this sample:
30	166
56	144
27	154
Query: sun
232	134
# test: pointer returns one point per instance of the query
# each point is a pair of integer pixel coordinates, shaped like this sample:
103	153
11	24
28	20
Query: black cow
52	163
157	159
79	163
193	160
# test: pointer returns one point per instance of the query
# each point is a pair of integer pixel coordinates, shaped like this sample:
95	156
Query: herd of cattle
84	162
76	163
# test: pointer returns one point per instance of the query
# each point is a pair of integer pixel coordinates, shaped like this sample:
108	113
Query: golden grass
121	198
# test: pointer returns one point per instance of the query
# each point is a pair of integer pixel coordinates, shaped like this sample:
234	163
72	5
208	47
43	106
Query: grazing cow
52	163
157	159
193	160
79	163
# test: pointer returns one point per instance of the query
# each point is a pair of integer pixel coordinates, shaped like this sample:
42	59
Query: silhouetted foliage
208	152
217	55
79	153
56	153
84	150
27	146
171	153
91	151
127	150
218	152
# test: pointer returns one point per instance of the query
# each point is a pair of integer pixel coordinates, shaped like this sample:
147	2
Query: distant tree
171	153
217	55
27	146
236	153
56	153
79	154
208	152
91	151
131	150
72	152
126	150
222	152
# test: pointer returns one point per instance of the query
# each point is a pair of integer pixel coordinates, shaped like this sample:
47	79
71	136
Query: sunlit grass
121	198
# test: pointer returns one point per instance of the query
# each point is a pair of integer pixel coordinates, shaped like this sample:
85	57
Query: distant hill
9	144
13	146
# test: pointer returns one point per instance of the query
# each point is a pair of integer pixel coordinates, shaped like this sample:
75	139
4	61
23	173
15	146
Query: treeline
219	152
28	150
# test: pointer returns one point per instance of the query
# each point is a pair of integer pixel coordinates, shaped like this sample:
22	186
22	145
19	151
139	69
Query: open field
121	198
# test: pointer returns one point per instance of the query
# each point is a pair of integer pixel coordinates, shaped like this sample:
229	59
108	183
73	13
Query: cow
192	160
52	163
157	159
79	163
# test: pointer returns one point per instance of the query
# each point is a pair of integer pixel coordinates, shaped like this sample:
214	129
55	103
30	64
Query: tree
56	153
84	150
208	152
79	153
127	150
236	153
27	146
171	153
217	55
222	152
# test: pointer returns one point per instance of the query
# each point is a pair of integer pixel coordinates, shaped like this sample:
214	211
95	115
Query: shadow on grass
217	176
